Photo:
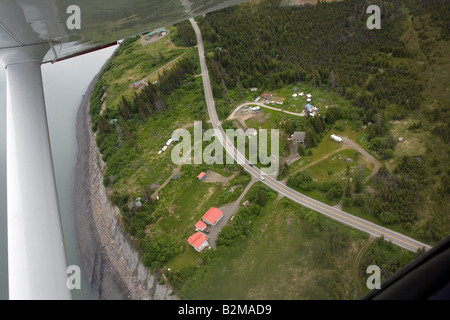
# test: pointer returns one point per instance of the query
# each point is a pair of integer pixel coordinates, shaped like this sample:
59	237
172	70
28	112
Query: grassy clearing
136	63
337	165
326	146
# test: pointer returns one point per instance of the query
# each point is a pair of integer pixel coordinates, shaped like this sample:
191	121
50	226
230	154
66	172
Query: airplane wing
33	32
72	27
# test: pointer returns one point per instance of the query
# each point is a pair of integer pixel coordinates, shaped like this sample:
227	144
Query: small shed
201	176
200	225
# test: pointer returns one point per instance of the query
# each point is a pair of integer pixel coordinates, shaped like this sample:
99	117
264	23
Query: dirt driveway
228	211
348	144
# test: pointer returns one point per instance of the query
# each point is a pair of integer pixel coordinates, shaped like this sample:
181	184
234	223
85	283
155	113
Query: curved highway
336	214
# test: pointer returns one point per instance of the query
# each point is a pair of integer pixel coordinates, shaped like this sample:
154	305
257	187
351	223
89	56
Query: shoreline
111	264
104	279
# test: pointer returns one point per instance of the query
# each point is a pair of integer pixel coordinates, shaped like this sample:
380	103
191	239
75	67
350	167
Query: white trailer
336	138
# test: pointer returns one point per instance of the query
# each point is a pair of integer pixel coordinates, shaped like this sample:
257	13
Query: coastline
112	266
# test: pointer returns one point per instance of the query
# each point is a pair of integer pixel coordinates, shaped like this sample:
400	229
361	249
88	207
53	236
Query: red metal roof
200	225
212	215
197	239
201	175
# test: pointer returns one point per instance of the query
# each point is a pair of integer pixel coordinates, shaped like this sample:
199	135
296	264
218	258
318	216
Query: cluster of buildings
270	98
169	142
253	109
311	110
308	96
199	240
160	32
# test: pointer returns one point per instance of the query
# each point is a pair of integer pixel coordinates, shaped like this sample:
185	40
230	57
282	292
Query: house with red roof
212	216
200	225
199	241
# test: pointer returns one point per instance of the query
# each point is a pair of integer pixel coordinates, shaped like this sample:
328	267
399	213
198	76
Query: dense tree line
327	45
185	35
397	195
441	13
304	181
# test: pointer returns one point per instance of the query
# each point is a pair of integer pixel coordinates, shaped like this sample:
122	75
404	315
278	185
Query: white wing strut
36	256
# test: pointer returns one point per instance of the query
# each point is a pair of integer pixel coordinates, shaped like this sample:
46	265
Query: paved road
333	213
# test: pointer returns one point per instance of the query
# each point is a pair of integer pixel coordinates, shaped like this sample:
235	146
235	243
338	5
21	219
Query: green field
336	164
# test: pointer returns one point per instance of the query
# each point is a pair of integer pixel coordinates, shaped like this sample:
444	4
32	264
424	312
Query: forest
329	46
